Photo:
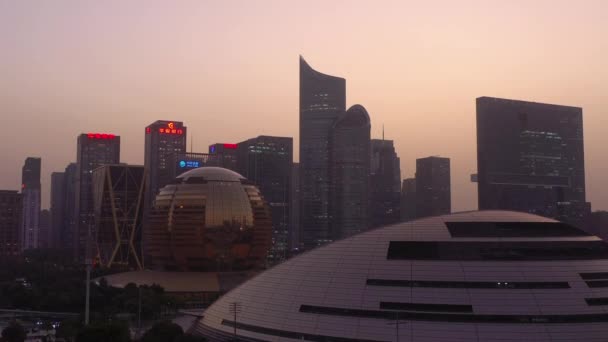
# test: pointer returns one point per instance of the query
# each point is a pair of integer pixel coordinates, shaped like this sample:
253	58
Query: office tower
163	139
11	216
118	192
408	199
385	180
68	232
30	189
58	208
186	161
350	173
433	195
44	229
530	158
267	162
224	155
322	99
94	150
294	211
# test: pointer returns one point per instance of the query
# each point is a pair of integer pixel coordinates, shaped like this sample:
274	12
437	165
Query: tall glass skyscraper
349	173
322	99
530	157
30	189
267	162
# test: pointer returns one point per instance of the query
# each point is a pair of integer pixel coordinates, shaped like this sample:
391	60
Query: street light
397	322
235	308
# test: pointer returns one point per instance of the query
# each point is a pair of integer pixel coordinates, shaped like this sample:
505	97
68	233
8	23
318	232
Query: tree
14	333
68	329
164	331
103	332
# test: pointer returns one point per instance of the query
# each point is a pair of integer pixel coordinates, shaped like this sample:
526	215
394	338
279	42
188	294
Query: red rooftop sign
100	136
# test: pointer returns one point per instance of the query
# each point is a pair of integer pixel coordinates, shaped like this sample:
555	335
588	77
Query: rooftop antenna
191	142
382	132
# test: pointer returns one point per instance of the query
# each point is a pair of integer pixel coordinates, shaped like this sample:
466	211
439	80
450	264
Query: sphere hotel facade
208	219
475	276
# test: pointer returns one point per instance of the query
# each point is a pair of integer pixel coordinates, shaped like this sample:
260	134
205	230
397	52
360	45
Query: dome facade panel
475	276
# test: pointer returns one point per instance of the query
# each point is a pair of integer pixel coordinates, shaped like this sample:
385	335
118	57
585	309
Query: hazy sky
229	70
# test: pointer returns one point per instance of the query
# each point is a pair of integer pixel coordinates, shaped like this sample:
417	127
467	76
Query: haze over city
229	71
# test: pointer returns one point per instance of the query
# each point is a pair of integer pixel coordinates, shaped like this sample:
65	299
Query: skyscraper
11	208
294	211
30	189
58	209
530	157
385	180
163	139
94	150
44	229
118	192
69	229
433	196
267	162
408	199
224	155
349	173
322	100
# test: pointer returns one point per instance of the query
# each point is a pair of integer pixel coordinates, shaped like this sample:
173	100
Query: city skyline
398	86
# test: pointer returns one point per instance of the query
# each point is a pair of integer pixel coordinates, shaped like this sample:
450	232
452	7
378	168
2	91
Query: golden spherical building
209	219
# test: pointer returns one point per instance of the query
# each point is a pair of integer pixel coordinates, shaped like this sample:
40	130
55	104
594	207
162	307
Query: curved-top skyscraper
349	172
322	99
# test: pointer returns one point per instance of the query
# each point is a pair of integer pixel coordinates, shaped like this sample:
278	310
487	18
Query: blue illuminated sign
189	164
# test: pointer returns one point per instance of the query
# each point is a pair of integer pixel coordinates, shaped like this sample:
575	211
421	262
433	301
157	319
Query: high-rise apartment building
163	138
30	189
349	165
433	195
322	100
58	209
385	180
11	208
94	150
267	162
530	158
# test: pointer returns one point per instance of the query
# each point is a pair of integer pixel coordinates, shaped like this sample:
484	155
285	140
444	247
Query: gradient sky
229	70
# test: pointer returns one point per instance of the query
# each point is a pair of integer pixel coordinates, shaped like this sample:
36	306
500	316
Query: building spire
382	132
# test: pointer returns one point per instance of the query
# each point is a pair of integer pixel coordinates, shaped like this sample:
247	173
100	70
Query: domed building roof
211	173
474	276
209	219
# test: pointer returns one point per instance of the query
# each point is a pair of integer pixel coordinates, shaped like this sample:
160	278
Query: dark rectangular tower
433	196
385	184
267	162
94	150
322	99
530	158
30	189
224	155
11	208
58	208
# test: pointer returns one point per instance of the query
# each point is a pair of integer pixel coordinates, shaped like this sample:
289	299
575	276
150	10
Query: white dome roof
474	276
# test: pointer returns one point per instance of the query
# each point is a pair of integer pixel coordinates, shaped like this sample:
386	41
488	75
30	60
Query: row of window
512	229
426	307
594	276
292	334
469	284
454	317
497	250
